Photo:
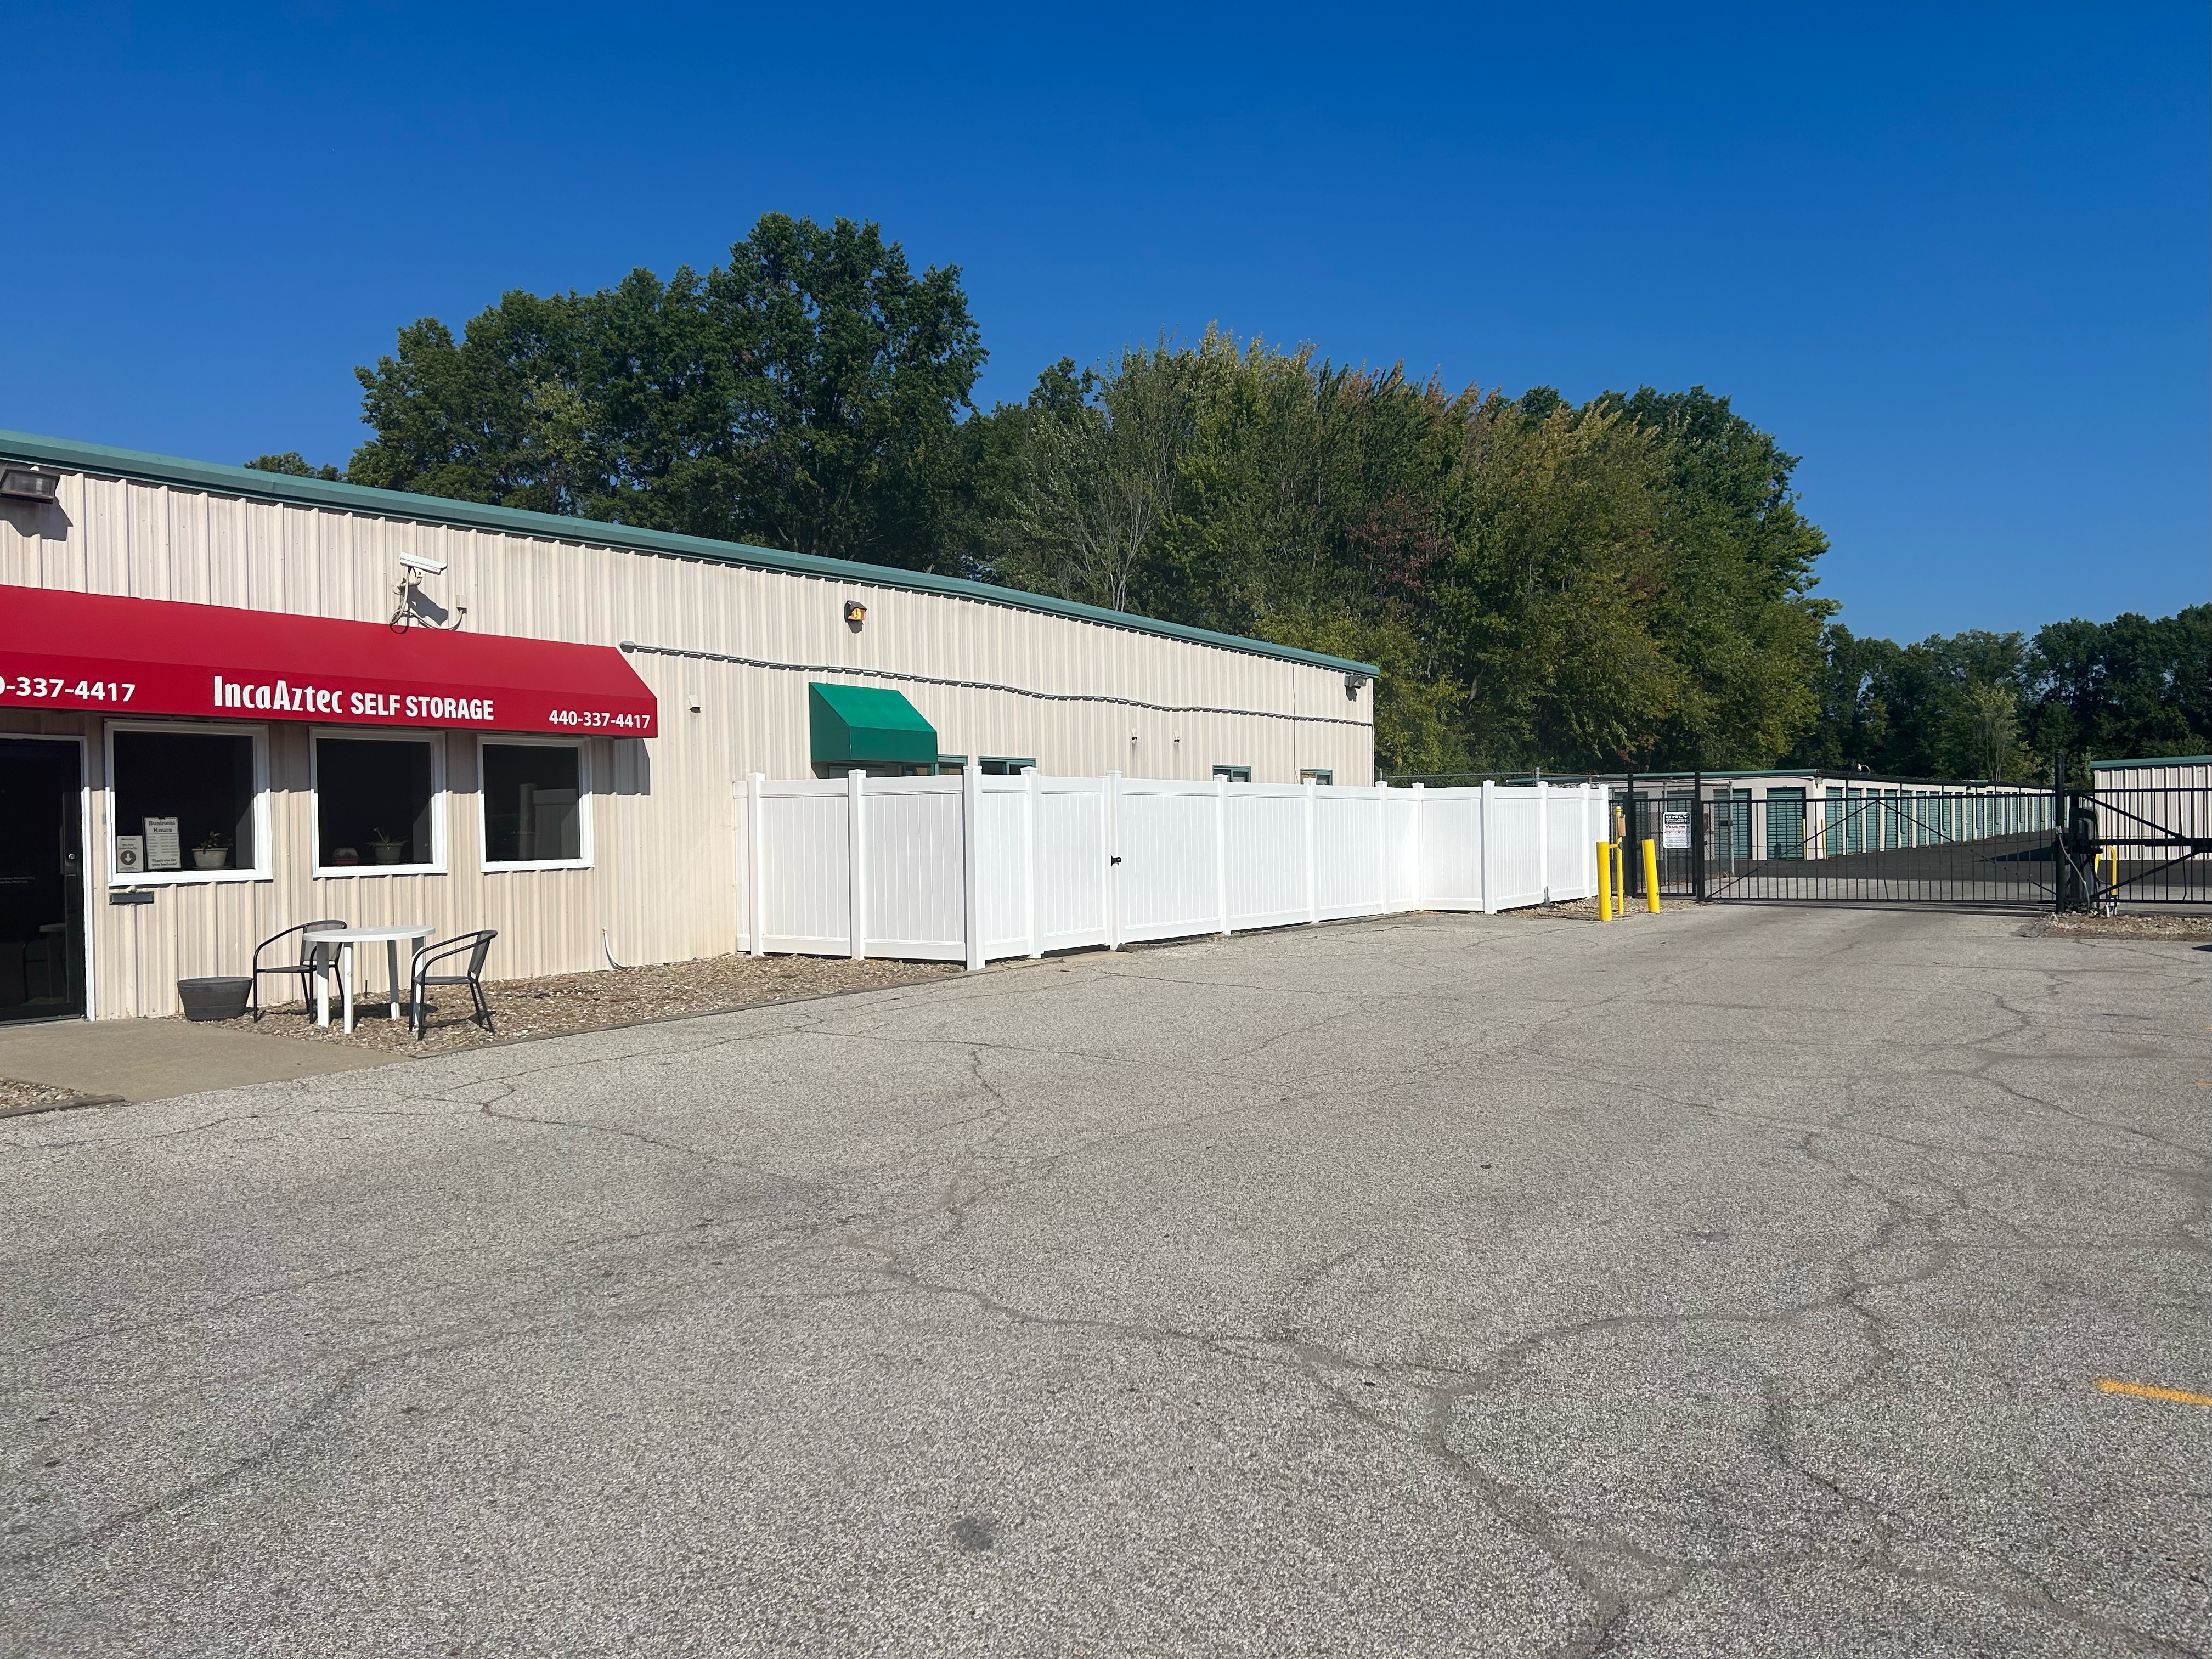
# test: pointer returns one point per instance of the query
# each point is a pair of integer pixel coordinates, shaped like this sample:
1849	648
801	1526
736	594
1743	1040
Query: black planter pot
219	998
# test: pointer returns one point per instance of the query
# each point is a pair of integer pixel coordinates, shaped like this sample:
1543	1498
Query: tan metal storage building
2180	773
578	843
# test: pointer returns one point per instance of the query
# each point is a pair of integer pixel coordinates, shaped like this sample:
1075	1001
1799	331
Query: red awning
94	652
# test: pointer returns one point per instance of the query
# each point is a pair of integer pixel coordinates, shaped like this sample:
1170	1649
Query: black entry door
41	881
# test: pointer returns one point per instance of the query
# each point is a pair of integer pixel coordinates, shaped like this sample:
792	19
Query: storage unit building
345	701
1805	813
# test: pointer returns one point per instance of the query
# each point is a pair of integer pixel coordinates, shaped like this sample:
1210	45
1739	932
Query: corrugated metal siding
663	883
2157	775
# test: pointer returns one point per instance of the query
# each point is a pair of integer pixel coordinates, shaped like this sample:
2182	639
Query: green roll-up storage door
864	725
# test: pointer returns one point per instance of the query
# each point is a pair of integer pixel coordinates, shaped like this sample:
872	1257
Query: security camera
427	567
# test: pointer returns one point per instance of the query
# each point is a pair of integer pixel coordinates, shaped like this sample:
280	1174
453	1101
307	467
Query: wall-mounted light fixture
855	614
26	483
1353	685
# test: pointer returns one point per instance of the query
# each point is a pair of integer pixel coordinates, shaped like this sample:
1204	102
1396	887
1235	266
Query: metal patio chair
477	946
304	969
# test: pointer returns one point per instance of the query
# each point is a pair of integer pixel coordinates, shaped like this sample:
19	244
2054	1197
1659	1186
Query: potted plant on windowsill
384	849
211	851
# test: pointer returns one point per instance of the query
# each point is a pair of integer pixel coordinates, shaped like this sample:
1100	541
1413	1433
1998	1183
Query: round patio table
342	940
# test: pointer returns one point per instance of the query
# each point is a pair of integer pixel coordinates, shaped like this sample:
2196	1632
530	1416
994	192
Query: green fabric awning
863	725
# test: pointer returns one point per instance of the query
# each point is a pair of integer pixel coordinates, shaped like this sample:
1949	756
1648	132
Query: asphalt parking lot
1729	1282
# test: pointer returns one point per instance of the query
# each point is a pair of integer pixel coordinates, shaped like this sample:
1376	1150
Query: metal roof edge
252	482
1833	774
2154	760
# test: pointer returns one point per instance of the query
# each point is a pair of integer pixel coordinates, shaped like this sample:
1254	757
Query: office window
533	804
187	803
1234	773
1318	774
376	803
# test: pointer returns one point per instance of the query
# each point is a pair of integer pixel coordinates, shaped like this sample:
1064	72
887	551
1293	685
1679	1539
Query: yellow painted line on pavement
2145	1390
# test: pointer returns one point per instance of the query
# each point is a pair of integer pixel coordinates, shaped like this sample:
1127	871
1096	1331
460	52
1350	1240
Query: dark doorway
41	880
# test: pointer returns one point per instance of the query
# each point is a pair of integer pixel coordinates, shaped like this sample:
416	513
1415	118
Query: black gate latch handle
1114	859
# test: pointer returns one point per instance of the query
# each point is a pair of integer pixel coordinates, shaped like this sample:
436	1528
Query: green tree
1735	610
1099	462
293	465
1554	590
1982	704
2133	686
806	394
847	376
1982	739
1850	727
1624	582
1949	706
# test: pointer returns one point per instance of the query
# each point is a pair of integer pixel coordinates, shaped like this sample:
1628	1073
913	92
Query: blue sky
1956	258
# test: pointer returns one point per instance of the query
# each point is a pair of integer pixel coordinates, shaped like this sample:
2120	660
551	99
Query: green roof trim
2155	760
867	724
251	483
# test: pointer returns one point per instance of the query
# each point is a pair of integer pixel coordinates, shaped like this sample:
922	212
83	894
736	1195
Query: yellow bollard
1651	875
1605	881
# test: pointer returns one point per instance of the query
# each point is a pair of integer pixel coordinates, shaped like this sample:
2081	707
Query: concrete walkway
160	1059
1731	1284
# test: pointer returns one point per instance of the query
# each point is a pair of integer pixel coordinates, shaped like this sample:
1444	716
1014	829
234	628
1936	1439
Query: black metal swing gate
2060	849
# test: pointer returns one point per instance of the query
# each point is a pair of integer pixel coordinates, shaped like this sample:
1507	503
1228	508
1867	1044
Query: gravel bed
1586	910
15	1094
2136	924
593	1001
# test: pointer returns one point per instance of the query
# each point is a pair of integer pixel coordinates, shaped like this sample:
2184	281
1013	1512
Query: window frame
1323	775
501	740
436	739
1230	774
1012	766
263	866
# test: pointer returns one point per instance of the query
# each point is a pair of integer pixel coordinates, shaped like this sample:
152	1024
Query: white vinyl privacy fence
973	868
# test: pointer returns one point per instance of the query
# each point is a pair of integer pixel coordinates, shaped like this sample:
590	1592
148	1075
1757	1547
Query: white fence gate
972	869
